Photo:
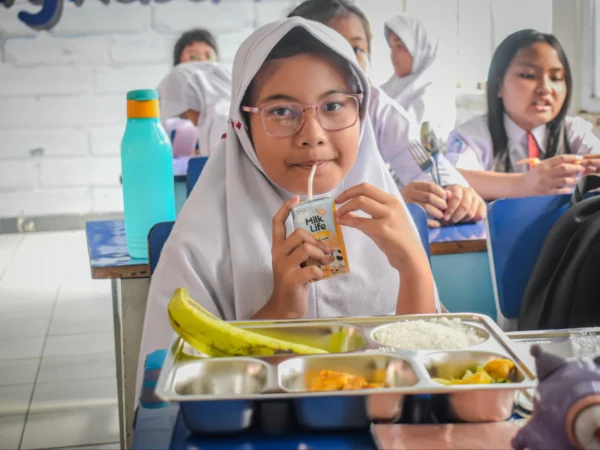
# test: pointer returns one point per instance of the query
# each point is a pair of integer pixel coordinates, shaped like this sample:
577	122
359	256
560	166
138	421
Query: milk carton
317	216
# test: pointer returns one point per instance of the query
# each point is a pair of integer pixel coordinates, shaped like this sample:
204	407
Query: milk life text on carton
317	216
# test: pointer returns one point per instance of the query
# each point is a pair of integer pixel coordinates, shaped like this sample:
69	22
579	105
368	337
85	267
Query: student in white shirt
297	100
395	128
529	90
199	92
419	83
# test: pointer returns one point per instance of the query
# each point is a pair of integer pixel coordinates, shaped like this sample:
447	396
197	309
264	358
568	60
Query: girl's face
534	89
353	30
198	51
304	79
401	57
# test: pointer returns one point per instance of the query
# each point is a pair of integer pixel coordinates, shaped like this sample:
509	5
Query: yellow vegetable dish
495	371
329	380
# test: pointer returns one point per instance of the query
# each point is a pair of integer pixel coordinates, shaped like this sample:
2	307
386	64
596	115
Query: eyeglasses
334	113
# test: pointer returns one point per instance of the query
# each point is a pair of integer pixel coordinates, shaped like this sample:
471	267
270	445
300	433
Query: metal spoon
432	144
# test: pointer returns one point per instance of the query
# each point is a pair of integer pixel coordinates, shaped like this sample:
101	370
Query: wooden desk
459	263
469	238
130	284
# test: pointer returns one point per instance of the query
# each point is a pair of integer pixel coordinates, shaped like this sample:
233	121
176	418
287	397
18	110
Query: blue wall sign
51	11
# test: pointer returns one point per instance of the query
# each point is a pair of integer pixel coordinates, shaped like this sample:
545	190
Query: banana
195	343
215	337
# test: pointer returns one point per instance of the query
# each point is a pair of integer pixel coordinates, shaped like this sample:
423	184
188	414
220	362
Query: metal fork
422	158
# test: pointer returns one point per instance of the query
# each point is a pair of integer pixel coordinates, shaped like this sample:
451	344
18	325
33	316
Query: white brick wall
62	92
54	142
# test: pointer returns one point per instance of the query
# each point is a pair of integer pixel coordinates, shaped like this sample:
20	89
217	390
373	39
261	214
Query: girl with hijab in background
419	83
299	98
526	143
196	44
395	128
199	92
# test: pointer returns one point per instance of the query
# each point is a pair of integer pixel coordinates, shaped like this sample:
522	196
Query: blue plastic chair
420	218
157	237
195	167
516	230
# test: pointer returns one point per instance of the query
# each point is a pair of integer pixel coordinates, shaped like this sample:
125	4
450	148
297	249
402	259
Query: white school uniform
394	128
470	144
220	246
202	86
427	93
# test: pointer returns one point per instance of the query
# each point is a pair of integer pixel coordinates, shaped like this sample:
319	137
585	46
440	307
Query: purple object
566	410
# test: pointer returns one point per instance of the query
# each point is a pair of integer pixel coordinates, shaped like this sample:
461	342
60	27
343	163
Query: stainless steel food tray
196	381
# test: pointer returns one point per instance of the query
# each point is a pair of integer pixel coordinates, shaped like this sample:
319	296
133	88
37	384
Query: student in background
195	45
199	92
394	128
419	83
526	137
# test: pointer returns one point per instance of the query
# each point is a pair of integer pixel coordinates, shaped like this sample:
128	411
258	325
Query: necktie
533	149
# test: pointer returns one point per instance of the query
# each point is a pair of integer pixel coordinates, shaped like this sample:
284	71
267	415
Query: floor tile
77	367
26	294
42	260
8	247
25	320
73	394
21	348
87	315
18	371
73	427
11	430
15	399
78	344
113	446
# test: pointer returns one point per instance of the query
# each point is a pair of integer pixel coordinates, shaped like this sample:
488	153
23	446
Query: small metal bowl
471	403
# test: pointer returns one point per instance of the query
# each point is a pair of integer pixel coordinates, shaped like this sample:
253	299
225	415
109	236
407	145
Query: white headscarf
427	92
202	86
220	247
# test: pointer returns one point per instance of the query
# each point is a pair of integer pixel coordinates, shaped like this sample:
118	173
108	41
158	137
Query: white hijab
427	92
202	86
220	247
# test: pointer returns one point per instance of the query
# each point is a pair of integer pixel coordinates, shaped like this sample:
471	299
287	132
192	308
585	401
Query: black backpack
564	288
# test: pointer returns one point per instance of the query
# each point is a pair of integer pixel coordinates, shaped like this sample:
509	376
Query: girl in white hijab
419	84
395	128
201	93
233	245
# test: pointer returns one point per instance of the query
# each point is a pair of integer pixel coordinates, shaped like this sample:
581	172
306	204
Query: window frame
590	56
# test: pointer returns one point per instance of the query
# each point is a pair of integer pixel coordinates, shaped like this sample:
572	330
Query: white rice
434	334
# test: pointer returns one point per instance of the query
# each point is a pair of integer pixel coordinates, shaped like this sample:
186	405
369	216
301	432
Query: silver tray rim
423	386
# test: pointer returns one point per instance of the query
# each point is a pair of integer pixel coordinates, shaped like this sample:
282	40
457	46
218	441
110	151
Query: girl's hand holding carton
388	225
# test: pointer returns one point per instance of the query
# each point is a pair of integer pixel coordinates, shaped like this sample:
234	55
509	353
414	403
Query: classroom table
130	283
163	428
451	247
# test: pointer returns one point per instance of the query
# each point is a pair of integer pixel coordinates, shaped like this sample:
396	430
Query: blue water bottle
147	165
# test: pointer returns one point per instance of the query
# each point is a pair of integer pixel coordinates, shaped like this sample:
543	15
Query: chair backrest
420	217
156	240
516	230
195	166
